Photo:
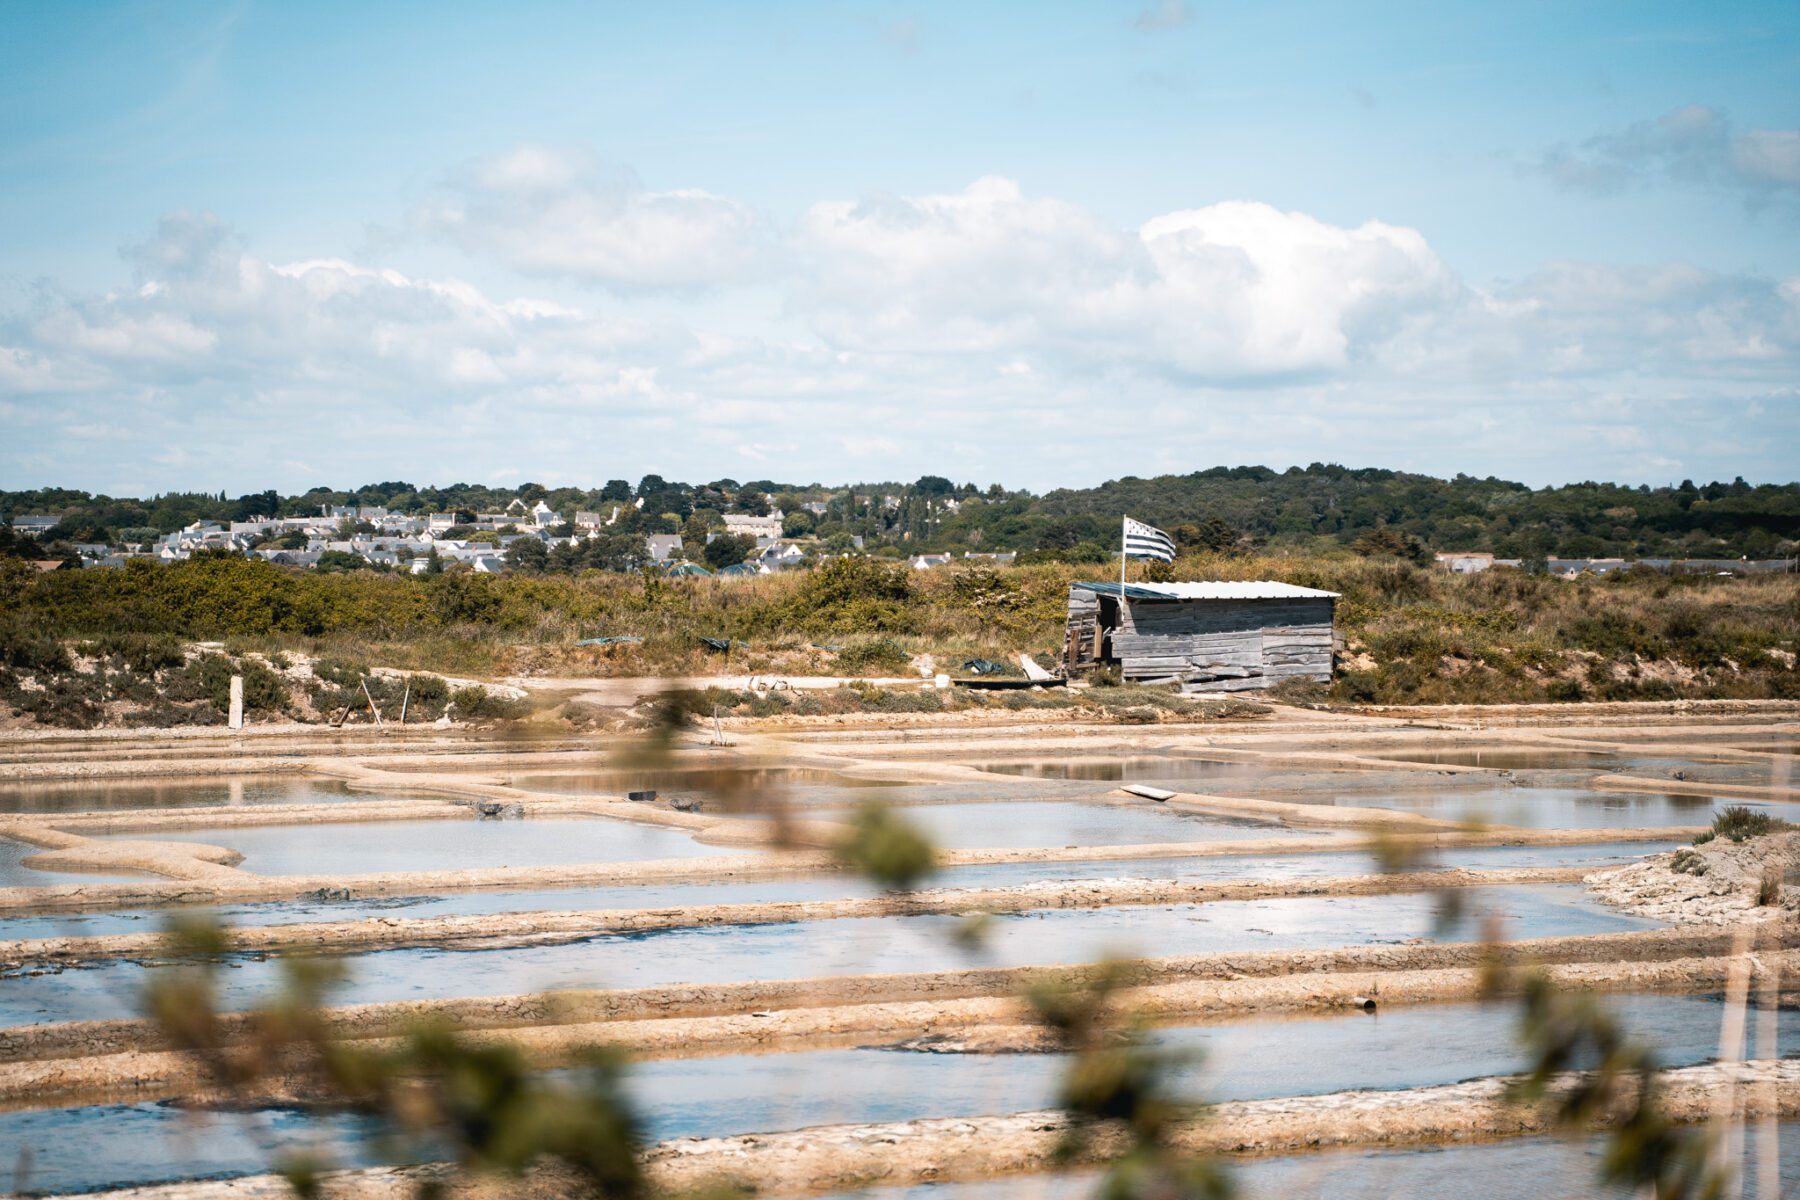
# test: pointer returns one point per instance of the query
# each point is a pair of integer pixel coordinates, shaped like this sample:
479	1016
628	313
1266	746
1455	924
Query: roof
1218	589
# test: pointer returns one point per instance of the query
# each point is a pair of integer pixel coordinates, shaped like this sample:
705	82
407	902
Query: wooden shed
1207	637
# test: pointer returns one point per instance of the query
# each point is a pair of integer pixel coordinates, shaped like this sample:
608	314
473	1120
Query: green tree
728	548
528	554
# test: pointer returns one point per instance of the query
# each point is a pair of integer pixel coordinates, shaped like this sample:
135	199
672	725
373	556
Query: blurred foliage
1585	1067
432	1095
887	848
1117	1079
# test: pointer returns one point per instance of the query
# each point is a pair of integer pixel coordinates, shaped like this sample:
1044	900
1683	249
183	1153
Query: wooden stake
373	711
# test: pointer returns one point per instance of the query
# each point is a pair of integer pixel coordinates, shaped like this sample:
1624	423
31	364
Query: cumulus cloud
1232	290
921	331
548	212
1694	145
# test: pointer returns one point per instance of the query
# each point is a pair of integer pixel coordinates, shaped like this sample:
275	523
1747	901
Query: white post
1122	521
236	719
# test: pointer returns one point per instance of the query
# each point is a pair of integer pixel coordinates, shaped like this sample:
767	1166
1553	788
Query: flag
1147	541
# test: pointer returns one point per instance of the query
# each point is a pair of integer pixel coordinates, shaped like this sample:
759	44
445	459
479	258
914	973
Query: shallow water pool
854	946
1040	824
745	782
451	844
1143	768
829	886
90	795
1517	759
114	1145
1562	808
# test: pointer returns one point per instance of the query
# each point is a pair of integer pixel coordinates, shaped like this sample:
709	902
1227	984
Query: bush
66	701
850	595
339	672
145	653
880	654
208	678
1768	888
1739	823
32	651
477	703
1686	862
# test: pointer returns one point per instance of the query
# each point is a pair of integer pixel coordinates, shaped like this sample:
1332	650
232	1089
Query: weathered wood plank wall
1209	645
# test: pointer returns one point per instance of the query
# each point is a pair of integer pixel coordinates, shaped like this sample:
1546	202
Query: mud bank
1641	948
513	928
988	1024
846	1157
1693	787
1720	882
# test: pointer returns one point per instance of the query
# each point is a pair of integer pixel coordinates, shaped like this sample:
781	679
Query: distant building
1568	568
1471	562
750	526
924	562
781	556
662	546
32	526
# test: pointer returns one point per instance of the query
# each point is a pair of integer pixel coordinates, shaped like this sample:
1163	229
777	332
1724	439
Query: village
519	536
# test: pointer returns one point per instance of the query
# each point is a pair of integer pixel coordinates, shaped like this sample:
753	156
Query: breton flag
1147	541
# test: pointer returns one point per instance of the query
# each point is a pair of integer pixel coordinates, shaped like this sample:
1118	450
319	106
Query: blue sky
257	245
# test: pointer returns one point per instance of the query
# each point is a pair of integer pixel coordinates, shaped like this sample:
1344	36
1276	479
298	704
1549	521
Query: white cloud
984	333
1694	145
550	213
1232	290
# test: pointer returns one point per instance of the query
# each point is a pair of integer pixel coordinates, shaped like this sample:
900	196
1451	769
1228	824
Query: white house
757	527
662	546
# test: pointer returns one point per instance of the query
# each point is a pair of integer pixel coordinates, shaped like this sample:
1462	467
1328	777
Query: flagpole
1122	521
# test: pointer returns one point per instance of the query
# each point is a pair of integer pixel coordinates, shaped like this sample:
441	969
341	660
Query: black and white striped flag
1147	541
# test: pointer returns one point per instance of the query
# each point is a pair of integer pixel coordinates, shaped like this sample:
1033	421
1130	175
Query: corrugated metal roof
1218	589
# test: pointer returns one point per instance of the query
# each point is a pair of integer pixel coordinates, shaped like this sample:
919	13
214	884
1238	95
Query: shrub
477	703
1686	862
145	653
30	651
1739	823
879	654
851	595
1768	888
339	672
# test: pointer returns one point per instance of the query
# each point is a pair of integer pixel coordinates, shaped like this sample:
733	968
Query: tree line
1221	510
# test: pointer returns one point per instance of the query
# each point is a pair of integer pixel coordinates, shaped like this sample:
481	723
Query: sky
270	245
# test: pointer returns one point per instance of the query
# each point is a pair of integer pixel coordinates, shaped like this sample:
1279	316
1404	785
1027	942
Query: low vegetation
1410	634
